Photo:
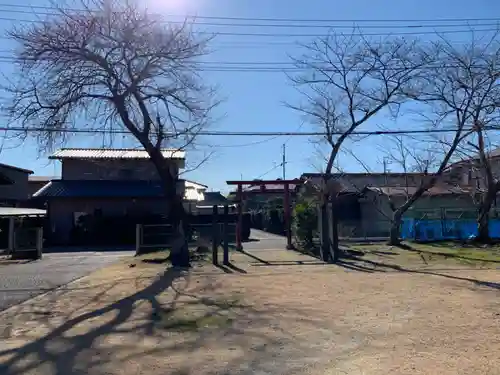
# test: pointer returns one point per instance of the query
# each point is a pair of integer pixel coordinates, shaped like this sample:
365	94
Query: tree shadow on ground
67	350
356	263
64	360
455	256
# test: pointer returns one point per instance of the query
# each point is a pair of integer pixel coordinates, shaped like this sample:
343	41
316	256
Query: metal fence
158	236
364	230
426	228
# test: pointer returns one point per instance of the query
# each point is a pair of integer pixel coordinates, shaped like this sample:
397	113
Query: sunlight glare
174	6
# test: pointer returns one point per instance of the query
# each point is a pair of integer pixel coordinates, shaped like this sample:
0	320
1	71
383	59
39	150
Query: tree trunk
483	232
335	237
394	237
483	220
179	255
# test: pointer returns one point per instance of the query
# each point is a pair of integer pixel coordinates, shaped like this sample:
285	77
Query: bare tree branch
348	80
108	65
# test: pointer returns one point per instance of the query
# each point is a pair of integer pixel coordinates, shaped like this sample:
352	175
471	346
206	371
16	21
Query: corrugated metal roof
14	211
97	153
41	178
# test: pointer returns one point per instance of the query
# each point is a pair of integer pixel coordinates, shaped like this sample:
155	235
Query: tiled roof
402	191
212	198
98	153
16	168
99	189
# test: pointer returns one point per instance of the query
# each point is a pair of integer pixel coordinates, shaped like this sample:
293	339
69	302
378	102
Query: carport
25	235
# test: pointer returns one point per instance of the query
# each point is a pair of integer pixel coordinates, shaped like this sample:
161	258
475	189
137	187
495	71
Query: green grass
201	313
439	252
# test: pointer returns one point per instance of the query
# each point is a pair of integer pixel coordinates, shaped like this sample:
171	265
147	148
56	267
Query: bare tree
346	82
464	92
429	157
482	172
112	66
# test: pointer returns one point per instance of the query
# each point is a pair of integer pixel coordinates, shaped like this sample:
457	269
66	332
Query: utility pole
284	161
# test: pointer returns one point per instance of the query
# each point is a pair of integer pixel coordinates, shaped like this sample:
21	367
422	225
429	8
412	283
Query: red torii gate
286	203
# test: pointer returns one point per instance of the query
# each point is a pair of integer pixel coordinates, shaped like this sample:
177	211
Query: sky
254	101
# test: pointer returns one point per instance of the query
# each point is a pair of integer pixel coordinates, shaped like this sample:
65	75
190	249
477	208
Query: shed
28	239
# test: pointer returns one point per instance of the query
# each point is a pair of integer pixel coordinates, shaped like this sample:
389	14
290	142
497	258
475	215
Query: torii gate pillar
286	203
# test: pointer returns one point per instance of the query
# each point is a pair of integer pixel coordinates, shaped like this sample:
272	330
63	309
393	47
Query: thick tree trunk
179	255
394	236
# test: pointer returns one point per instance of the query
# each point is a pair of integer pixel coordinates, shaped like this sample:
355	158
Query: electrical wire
342	25
293	35
247	134
245	144
269	171
265	19
267	66
467	25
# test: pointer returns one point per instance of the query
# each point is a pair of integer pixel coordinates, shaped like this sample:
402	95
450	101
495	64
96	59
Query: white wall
193	191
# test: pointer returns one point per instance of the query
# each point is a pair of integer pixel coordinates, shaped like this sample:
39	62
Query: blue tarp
435	230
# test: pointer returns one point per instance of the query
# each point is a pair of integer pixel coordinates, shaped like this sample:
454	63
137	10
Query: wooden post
226	235
288	221
215	237
333	232
138	240
325	235
239	225
39	242
11	236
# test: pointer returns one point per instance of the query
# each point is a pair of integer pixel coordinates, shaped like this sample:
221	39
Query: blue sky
254	100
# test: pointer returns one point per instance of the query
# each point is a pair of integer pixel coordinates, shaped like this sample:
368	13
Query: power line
293	35
246	134
469	27
338	23
269	171
270	66
265	19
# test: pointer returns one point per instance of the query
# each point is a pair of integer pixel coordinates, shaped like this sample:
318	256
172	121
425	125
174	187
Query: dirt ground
271	312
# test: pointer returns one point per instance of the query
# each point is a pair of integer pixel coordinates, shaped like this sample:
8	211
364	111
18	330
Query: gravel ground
292	317
20	280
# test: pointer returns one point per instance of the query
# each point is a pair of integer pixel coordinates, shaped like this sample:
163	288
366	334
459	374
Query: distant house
258	195
14	189
106	183
193	191
367	200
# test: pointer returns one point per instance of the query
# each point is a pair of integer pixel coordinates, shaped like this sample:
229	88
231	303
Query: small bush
305	223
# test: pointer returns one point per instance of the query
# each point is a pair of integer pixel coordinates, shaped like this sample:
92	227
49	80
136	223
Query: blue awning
100	189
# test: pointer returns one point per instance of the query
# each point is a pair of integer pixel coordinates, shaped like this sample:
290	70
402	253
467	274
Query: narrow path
266	250
260	240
